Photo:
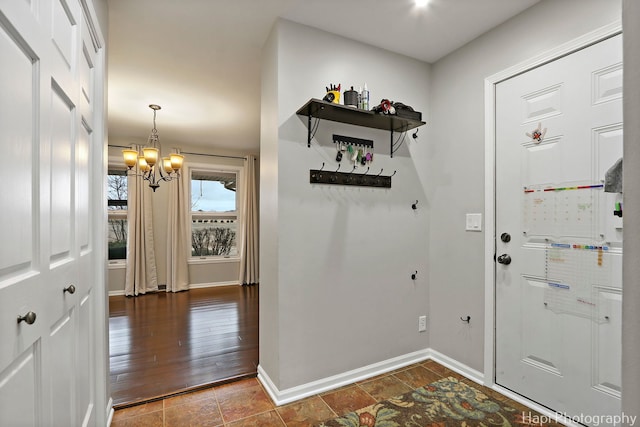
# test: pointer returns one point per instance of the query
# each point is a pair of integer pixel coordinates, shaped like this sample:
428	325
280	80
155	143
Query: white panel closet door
47	83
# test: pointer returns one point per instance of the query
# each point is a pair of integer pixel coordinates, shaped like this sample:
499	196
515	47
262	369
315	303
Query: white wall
454	160
631	268
337	286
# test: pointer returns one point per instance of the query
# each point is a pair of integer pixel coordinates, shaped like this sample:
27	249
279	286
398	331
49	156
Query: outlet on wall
422	323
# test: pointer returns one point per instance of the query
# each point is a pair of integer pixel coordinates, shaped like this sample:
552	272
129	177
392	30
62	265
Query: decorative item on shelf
364	98
150	164
333	94
351	98
399	109
384	107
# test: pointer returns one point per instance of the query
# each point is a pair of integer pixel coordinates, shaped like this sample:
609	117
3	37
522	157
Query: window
214	215
117	214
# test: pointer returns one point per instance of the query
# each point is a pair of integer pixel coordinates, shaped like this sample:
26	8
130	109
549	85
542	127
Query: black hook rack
466	319
319	176
414	206
414	275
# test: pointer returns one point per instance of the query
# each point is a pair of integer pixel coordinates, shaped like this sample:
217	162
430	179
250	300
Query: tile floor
246	403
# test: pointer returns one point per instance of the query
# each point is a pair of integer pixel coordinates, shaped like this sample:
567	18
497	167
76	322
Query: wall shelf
341	113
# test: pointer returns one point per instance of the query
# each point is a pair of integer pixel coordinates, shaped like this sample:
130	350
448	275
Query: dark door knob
71	289
505	237
29	318
504	259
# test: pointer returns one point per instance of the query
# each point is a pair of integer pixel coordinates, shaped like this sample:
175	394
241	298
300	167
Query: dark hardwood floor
162	343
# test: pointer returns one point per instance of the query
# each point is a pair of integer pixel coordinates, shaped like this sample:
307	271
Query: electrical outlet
422	323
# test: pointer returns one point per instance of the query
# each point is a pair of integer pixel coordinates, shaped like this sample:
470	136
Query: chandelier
148	164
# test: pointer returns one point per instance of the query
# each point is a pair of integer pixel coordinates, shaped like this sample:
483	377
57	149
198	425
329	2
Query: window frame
211	168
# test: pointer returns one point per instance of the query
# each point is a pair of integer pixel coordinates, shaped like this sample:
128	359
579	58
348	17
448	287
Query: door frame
490	83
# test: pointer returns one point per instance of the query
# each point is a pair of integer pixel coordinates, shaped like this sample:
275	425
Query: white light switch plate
474	222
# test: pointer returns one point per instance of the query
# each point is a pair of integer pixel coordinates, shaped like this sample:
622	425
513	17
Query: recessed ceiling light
421	3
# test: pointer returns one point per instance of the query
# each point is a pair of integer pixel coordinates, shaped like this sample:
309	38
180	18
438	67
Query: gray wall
269	268
454	161
631	268
338	259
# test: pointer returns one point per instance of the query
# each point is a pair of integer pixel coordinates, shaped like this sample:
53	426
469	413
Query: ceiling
200	59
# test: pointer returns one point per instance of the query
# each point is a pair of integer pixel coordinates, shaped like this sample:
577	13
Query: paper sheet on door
566	210
572	272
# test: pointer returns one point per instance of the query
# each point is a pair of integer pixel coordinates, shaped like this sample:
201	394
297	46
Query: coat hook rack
414	275
466	319
415	134
320	176
414	206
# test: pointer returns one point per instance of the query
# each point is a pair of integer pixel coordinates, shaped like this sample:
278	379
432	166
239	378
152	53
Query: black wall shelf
340	113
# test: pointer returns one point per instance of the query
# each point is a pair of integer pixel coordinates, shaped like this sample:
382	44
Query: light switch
474	222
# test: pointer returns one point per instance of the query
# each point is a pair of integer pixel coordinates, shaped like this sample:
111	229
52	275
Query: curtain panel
249	249
179	232
141	274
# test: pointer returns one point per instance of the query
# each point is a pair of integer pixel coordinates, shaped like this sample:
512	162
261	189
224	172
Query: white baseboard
192	286
110	412
282	397
116	293
454	365
213	284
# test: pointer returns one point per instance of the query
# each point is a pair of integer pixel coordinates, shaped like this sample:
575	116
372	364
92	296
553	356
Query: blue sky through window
211	196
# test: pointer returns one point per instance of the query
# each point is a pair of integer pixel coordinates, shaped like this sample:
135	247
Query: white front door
558	301
50	171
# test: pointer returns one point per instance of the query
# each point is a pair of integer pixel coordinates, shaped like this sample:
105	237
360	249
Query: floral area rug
444	403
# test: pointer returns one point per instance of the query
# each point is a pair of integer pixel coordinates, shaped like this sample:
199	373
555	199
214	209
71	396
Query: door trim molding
490	83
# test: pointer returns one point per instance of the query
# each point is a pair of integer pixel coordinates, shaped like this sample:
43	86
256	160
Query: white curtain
141	275
249	244
178	233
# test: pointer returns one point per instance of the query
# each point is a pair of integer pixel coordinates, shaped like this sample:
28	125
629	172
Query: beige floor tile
307	412
266	419
347	399
199	413
417	376
243	401
152	419
385	387
137	410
